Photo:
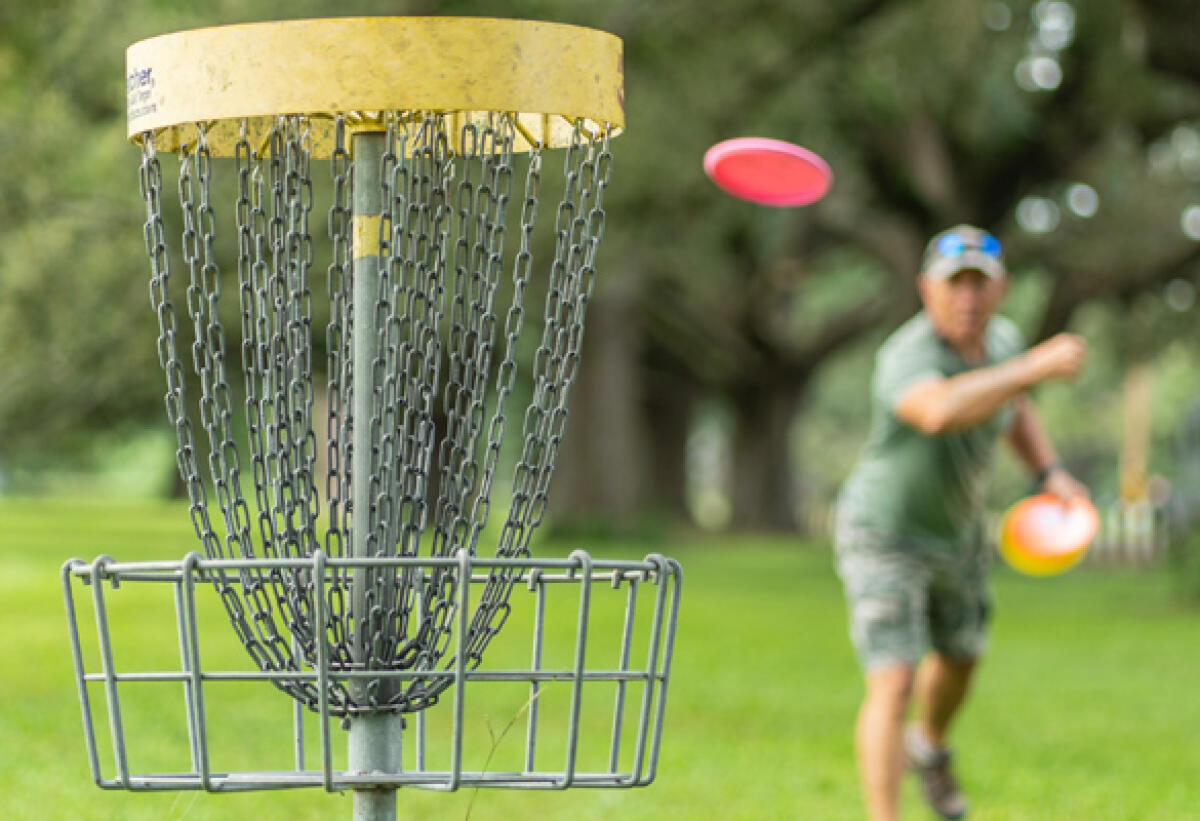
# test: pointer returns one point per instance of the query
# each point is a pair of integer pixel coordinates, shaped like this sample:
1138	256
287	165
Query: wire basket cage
583	670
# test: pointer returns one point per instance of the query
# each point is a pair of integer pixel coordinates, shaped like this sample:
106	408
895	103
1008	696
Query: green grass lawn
1087	707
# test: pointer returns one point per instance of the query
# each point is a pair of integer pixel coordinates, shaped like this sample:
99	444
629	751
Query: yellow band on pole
364	236
549	74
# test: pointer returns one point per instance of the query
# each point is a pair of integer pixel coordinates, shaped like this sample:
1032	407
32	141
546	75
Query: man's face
961	305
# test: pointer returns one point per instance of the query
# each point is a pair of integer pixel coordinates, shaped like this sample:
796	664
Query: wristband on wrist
1044	473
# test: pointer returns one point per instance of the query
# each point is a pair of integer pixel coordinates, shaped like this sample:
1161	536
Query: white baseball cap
962	248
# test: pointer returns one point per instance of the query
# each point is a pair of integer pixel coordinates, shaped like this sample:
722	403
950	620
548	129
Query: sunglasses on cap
954	244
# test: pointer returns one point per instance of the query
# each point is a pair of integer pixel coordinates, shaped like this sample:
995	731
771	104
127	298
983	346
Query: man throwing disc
910	544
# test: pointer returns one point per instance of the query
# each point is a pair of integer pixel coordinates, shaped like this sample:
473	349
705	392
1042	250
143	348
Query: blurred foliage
1184	564
917	106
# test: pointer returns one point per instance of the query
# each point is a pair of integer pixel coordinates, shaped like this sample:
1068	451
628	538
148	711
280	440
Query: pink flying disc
768	172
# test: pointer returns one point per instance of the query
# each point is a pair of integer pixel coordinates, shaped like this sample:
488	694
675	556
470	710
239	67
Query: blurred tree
930	111
75	322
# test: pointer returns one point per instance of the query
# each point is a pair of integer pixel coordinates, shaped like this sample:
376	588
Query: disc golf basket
346	539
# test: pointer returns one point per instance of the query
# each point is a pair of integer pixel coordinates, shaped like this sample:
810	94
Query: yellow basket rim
552	77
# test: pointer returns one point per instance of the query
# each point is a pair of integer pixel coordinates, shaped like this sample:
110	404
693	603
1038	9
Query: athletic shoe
932	765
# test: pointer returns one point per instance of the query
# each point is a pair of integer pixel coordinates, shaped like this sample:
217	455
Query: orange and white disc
1043	536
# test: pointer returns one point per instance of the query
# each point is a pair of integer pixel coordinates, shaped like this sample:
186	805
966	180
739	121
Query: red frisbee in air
768	172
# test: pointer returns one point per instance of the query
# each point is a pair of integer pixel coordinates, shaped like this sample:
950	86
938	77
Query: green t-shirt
911	487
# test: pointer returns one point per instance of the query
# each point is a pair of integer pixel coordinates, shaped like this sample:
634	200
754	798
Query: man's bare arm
937	406
1033	447
1029	439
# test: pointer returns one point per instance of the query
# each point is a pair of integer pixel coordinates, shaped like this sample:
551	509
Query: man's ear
922	286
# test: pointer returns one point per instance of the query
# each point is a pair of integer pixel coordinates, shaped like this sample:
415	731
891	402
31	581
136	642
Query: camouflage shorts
902	601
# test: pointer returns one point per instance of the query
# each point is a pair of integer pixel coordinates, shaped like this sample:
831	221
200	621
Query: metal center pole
374	737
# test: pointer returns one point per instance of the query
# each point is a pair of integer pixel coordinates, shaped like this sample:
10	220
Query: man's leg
878	737
959	606
886	591
941	686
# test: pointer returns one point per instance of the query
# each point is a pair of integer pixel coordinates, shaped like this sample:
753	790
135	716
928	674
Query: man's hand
1060	357
1063	485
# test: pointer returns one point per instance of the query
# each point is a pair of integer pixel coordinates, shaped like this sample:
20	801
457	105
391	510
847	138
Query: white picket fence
1130	535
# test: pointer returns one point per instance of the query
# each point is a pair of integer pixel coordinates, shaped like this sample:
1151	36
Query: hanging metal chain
421	223
477	264
208	349
416	168
256	330
434	448
399	519
301	506
216	413
291	593
481	168
339	342
579	227
373	616
478	257
186	455
514	320
279	449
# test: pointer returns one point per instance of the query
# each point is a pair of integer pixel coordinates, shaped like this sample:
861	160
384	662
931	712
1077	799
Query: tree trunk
669	401
764	490
600	479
